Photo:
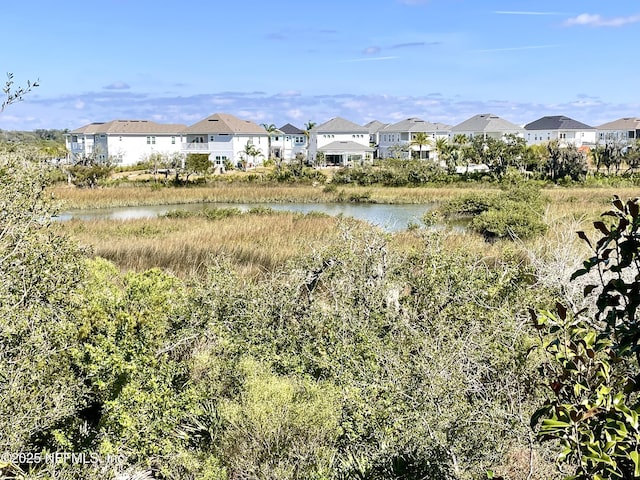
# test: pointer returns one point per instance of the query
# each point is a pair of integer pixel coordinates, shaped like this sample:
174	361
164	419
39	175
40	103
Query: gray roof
225	123
622	124
128	127
340	125
486	122
557	122
375	126
345	147
417	125
291	130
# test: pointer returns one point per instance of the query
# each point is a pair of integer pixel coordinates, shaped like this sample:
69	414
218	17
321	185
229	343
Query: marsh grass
256	242
125	196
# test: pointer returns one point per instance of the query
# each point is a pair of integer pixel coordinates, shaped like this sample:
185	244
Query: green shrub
512	220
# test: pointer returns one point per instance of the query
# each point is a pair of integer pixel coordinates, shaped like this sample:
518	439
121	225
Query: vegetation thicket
363	357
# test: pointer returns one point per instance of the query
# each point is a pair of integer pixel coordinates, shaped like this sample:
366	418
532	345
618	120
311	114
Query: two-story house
339	142
288	142
486	125
399	139
374	128
124	142
225	137
623	131
565	130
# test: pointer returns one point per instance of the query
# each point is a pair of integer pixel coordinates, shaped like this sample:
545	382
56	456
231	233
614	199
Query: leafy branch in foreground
15	94
594	359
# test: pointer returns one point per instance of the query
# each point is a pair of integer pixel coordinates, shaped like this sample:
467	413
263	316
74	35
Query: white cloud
295	113
594	20
371	59
60	112
79	105
371	50
117	86
290	93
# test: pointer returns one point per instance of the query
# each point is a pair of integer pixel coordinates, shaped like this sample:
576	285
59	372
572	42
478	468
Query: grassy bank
255	242
123	196
576	201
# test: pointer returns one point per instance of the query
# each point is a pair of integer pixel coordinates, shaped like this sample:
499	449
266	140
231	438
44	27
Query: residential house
288	142
374	135
486	125
227	138
400	137
339	142
565	130
124	142
623	131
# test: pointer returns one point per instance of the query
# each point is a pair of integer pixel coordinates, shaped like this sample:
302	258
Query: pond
392	218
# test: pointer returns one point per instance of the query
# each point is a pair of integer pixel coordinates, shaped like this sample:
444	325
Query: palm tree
250	150
271	129
420	139
441	145
307	133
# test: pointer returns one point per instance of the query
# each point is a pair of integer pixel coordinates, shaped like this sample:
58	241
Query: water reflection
389	217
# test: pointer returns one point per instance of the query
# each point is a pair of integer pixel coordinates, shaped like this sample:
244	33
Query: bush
516	212
296	173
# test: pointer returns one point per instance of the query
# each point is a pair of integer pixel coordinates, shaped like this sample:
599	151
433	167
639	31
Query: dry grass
123	196
256	243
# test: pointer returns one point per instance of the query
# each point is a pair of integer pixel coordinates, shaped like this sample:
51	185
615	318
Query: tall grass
124	196
256	243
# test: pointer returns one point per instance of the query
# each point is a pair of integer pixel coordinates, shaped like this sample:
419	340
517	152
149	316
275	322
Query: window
148	140
173	140
120	139
153	140
211	138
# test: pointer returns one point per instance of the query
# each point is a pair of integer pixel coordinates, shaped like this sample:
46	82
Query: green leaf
635	458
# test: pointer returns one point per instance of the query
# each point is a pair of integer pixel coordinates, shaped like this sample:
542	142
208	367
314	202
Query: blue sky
284	61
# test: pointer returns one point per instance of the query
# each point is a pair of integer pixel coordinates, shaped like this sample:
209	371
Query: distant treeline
35	136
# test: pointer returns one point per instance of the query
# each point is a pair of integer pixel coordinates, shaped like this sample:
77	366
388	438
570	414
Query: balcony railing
195	147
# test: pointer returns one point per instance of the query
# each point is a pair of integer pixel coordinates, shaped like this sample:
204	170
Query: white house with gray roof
487	125
623	131
124	142
340	142
565	130
288	142
374	128
398	137
225	137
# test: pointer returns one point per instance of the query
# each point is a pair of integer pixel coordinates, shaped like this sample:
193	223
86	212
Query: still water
389	217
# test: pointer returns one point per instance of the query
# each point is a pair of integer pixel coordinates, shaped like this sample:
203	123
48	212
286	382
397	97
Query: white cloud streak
594	20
